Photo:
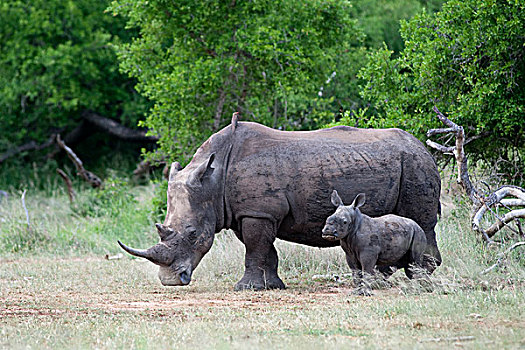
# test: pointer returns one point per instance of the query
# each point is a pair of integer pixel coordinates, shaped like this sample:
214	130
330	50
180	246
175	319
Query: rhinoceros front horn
151	254
141	253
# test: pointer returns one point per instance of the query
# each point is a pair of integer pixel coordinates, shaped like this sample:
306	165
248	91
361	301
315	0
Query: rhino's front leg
261	258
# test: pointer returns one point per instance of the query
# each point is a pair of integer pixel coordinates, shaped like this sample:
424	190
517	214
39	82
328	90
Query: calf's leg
261	261
368	259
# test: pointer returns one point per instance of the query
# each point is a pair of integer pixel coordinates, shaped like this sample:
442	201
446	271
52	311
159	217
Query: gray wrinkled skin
385	241
266	184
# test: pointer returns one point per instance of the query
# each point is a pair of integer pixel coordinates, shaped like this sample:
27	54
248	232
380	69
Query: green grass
58	291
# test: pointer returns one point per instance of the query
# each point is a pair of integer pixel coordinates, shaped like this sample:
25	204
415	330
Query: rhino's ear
174	169
202	172
359	200
164	231
336	200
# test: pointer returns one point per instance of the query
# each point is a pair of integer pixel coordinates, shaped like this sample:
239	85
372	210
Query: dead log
118	130
30	146
88	176
482	203
90	122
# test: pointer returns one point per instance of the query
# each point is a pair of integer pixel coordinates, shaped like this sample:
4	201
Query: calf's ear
359	200
336	200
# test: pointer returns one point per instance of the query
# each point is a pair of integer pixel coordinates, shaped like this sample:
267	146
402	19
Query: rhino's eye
345	222
191	234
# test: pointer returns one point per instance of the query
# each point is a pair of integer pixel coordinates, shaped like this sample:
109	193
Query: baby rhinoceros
389	240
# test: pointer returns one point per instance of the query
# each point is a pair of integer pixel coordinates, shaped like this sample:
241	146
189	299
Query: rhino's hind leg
261	259
432	257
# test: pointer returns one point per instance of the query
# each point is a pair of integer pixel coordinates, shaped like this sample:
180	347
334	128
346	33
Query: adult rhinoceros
266	184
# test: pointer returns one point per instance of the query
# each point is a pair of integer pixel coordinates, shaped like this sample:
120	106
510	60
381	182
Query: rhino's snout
330	234
180	279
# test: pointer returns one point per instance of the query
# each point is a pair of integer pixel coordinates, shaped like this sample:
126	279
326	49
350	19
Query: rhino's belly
308	235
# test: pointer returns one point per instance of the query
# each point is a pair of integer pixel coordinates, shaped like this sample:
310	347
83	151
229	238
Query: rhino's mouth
330	236
182	278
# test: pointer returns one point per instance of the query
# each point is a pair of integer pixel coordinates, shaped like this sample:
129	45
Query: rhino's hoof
259	285
365	292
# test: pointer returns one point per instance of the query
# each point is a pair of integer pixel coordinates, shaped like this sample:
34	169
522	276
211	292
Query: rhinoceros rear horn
164	231
153	254
174	169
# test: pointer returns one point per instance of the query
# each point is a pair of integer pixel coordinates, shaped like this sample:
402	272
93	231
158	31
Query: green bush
159	202
110	200
467	60
57	61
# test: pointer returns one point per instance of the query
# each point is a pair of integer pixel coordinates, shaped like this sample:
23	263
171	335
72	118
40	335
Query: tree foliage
56	61
280	63
380	19
469	60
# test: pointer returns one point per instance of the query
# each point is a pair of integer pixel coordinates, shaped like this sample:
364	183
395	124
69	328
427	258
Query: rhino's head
188	231
346	219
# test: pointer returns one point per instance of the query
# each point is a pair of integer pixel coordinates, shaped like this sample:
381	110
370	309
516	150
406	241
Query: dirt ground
86	301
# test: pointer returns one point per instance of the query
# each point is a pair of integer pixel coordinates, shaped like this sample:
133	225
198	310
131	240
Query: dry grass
71	300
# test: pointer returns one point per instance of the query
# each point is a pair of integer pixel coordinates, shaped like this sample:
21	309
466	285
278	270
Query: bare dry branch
88	176
482	203
70	191
510	216
461	159
498	197
508	202
114	257
449	339
441	148
501	256
25	208
30	146
433	132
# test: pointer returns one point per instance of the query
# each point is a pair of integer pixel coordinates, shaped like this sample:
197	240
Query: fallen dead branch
88	176
116	129
449	339
67	180
501	257
30	146
482	203
114	257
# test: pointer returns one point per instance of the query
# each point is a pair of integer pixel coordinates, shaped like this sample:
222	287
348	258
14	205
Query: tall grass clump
91	224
